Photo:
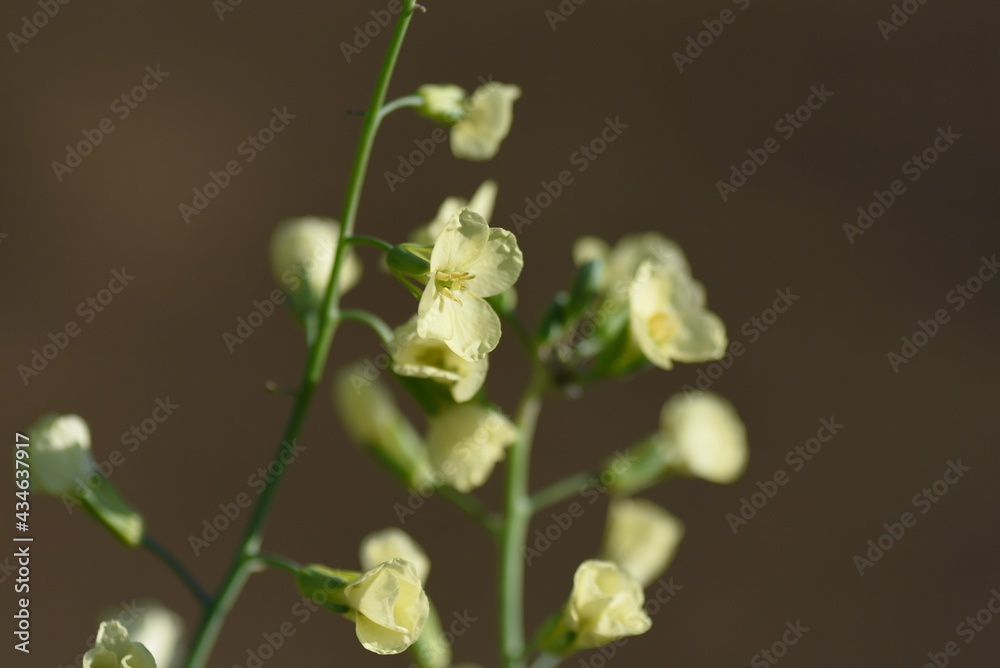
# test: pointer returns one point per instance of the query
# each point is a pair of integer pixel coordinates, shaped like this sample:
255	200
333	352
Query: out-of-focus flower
466	441
489	112
641	537
703	436
393	543
60	453
432	358
302	254
114	649
161	631
470	261
606	604
482	203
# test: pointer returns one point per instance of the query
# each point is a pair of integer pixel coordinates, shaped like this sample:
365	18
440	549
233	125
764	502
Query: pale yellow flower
302	254
114	649
60	453
641	537
482	202
489	112
444	103
161	631
703	436
432	358
668	317
389	607
623	260
606	604
393	543
466	441
470	261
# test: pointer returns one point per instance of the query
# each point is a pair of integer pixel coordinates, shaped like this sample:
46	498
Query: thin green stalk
329	319
399	103
278	561
517	518
474	508
359	239
377	324
157	549
561	490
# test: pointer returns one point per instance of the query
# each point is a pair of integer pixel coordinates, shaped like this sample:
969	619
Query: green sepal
325	586
584	290
402	261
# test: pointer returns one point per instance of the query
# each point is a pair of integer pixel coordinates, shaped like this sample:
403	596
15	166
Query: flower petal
461	242
435	319
475	327
499	265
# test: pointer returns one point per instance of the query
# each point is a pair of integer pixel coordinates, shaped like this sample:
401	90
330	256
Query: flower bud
60	453
371	419
702	436
482	203
114	649
606	604
443	103
387	603
641	537
392	543
161	631
466	441
302	254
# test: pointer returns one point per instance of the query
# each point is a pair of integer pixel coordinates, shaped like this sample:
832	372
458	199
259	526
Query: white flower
489	112
114	649
622	261
60	453
704	437
482	202
606	604
389	607
431	358
160	630
466	441
641	537
669	320
393	543
302	254
470	261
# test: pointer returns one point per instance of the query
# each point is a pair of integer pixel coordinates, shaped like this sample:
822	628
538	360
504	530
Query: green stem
517	518
278	561
157	549
369	241
329	319
368	318
561	490
399	103
474	508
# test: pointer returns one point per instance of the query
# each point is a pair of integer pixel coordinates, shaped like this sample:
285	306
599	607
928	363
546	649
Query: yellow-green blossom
302	254
418	357
703	436
470	261
114	649
466	441
668	317
606	604
392	543
641	537
482	203
388	606
60	453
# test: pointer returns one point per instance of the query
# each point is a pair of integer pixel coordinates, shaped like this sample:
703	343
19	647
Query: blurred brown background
162	336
